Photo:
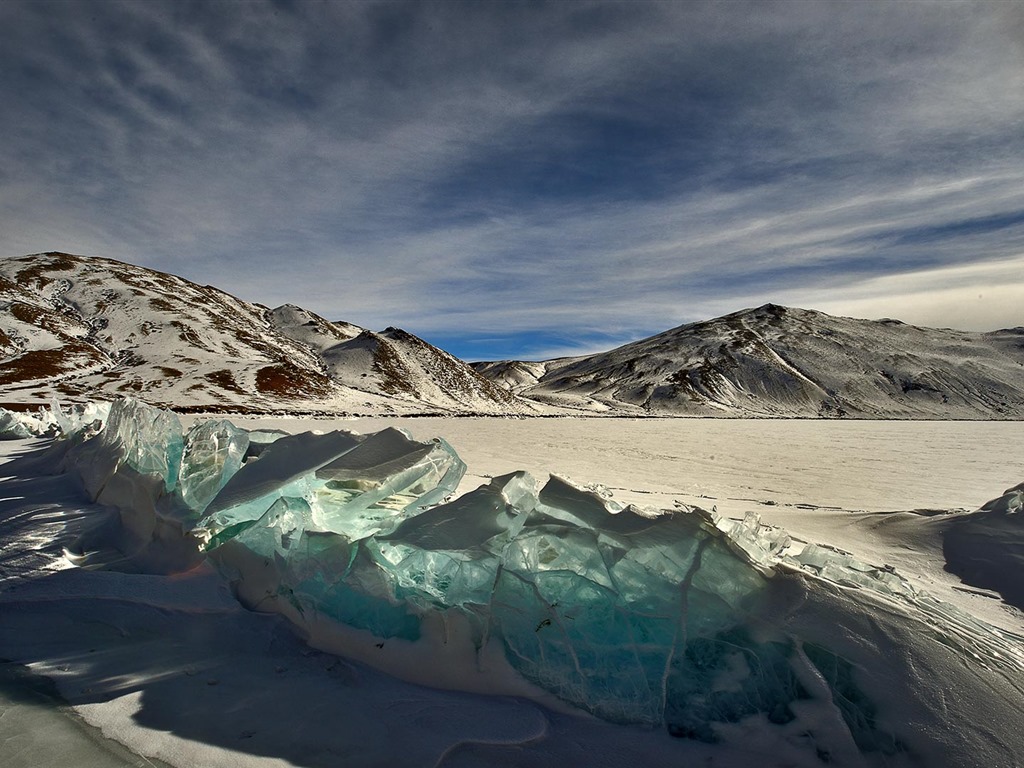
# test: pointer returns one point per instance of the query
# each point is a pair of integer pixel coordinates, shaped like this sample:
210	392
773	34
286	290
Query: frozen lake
736	464
825	481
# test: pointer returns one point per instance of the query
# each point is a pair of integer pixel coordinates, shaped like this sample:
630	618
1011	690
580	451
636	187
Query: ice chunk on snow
476	519
600	608
384	479
52	421
283	469
356	486
762	544
138	437
71	420
13	426
449	555
281	463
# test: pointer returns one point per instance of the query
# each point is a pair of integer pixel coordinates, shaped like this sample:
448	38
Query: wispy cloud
983	296
536	175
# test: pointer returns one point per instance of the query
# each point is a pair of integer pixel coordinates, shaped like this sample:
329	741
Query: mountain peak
780	361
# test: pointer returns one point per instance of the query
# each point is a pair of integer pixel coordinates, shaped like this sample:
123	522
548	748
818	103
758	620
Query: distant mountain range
76	328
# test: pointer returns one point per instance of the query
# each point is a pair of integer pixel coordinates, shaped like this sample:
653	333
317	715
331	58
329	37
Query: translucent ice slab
354	485
212	454
150	439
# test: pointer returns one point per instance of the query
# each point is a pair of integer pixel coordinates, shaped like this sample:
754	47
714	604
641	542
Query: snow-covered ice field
175	669
738	464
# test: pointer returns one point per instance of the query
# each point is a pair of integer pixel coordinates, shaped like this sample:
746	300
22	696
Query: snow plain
177	671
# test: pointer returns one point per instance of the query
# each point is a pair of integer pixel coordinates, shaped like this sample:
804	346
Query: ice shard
52	421
281	463
450	555
150	439
212	452
599	606
387	477
136	445
79	420
356	486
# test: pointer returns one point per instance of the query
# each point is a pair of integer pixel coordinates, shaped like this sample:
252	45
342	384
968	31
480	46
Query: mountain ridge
780	361
77	328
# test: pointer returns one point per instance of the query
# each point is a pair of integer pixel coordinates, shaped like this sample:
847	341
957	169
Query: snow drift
986	547
715	630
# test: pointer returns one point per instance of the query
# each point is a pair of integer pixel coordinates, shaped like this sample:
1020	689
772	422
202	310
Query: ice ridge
675	619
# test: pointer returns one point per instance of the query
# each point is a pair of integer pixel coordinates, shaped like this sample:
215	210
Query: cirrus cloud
516	178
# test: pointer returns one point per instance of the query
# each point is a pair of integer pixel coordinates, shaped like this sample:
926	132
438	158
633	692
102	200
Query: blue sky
529	179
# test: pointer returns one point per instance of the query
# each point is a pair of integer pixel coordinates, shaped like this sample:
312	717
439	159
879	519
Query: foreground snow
791	652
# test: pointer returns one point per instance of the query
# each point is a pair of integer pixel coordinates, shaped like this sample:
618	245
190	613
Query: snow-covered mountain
80	327
777	361
392	363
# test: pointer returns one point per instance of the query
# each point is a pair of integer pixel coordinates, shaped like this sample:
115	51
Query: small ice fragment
12	427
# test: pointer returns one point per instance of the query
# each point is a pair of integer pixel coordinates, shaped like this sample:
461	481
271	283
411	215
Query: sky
529	179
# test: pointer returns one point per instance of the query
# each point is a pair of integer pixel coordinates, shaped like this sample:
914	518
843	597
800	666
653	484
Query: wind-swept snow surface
984	548
740	641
